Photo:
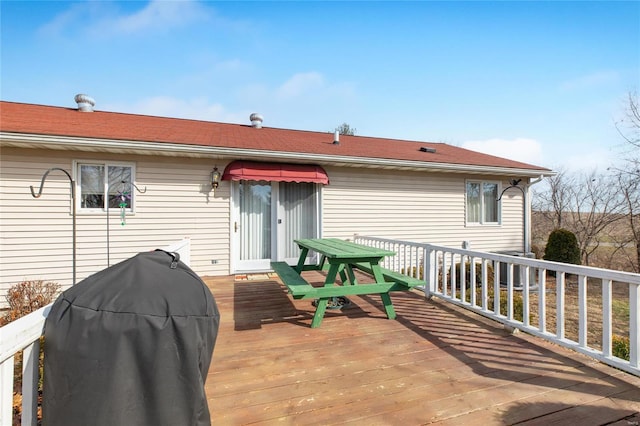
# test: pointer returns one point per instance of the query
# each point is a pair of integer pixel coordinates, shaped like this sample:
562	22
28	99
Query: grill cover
131	345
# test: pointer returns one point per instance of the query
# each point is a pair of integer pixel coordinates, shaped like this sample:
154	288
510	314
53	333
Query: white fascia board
173	149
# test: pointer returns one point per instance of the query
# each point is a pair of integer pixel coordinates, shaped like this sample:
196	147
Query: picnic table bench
341	257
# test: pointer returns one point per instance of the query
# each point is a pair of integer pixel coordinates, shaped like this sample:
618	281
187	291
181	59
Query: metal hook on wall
73	204
141	191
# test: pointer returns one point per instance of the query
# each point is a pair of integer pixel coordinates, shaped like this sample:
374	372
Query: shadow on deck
435	363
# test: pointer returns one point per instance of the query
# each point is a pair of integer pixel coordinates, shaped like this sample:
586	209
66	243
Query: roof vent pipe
336	138
256	120
85	103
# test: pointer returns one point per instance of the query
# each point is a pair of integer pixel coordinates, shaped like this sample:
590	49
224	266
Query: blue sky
540	82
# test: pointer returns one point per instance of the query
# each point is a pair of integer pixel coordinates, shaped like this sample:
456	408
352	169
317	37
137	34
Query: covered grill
131	345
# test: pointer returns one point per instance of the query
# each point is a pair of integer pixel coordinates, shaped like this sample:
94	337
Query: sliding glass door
268	218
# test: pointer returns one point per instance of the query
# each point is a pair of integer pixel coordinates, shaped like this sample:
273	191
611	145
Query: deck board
434	364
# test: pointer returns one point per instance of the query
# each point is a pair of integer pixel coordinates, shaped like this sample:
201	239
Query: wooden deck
434	364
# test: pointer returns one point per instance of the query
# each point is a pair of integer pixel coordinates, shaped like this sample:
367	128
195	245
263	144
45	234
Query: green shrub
620	347
562	246
518	304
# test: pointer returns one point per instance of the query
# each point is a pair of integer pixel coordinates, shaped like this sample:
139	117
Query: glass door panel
298	215
254	225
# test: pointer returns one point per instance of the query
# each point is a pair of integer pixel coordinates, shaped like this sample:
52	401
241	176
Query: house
275	185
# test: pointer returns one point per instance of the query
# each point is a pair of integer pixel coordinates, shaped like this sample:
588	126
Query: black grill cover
131	345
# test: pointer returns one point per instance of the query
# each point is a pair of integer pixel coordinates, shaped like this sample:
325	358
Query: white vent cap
85	103
256	120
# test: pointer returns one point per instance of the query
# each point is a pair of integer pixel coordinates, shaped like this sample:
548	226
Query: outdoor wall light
215	178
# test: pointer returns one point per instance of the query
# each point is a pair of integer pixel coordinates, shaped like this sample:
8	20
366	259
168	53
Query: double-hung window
482	205
104	185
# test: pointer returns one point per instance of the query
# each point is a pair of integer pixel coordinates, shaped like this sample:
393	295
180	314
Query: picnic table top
335	248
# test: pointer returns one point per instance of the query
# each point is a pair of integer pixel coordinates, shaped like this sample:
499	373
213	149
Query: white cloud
299	85
588	81
103	19
518	149
69	19
162	15
589	159
303	99
194	109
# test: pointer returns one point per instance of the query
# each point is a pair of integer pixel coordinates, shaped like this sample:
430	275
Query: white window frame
77	164
482	220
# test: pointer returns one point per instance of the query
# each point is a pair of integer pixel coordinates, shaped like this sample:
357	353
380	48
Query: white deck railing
24	335
463	277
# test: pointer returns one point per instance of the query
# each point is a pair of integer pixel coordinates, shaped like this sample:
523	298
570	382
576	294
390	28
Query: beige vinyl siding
36	234
423	207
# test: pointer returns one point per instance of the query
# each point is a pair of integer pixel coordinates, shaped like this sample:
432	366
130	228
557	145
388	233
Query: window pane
120	186
91	187
473	202
490	193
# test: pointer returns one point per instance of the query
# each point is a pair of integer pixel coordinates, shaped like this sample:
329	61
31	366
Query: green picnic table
340	258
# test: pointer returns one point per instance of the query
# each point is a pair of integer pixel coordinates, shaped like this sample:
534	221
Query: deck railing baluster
510	291
525	294
472	279
606	317
437	265
634	325
542	300
582	311
560	284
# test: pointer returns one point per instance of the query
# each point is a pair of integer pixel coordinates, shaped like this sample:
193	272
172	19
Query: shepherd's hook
73	202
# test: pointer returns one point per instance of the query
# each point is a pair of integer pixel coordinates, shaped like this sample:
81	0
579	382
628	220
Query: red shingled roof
58	121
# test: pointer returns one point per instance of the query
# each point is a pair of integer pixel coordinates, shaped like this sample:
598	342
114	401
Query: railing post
429	271
6	392
30	378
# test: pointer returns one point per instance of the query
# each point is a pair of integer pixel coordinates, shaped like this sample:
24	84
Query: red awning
277	172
